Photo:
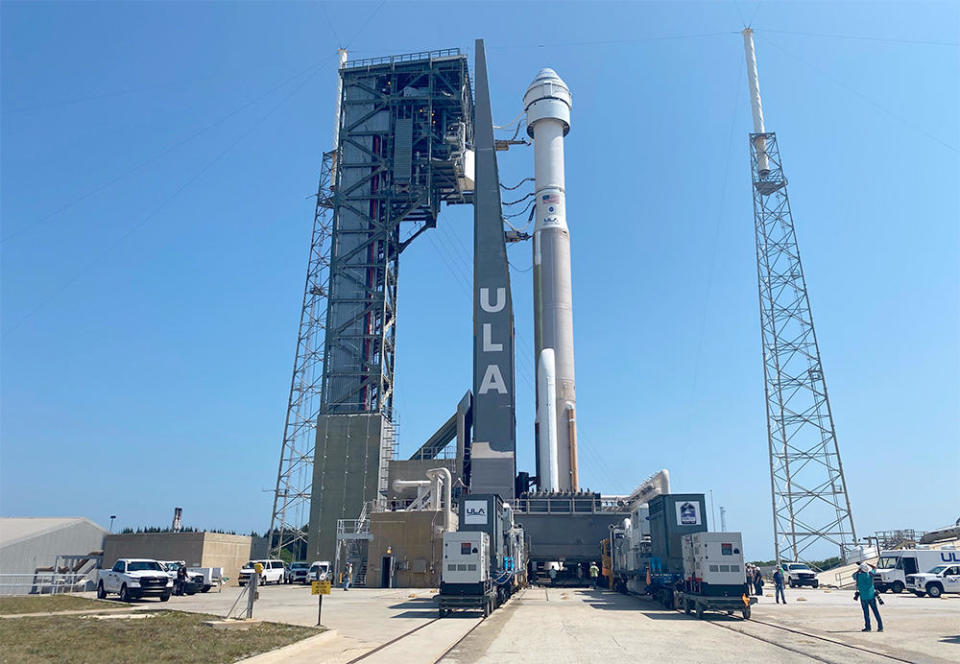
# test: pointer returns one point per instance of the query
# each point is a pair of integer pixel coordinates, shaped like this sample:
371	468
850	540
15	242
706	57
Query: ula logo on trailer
688	514
950	557
475	511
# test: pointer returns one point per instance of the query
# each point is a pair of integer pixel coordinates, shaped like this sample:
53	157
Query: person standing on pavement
181	581
778	585
347	576
867	594
758	581
595	574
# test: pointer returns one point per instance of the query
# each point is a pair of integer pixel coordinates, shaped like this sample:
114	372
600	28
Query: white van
274	571
894	566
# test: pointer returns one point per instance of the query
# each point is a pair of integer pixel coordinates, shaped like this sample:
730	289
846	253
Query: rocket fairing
547	103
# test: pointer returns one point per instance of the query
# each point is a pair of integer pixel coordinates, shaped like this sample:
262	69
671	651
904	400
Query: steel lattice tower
403	126
809	493
291	501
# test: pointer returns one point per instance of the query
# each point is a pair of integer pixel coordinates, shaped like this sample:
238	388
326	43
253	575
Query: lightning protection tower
809	493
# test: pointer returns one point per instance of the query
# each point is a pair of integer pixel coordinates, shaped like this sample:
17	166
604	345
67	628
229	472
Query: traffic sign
320	588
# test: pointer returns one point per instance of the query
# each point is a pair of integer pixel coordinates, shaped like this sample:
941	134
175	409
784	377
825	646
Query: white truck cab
896	565
134	578
941	579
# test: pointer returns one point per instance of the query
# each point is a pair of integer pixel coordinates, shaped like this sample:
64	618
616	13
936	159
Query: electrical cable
130	171
517	186
511	123
716	232
617	41
892	40
521	212
865	98
365	23
143	222
520	200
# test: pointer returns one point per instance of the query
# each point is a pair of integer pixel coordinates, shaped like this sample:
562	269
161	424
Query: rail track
726	624
809	635
384	646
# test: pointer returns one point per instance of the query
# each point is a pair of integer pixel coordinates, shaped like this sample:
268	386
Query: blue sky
157	160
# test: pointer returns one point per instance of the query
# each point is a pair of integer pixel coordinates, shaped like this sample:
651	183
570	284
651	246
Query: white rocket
547	104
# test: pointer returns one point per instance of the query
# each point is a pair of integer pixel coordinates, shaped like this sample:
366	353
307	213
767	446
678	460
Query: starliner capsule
547	104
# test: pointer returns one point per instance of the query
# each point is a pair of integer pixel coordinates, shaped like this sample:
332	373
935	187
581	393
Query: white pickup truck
134	578
941	579
799	574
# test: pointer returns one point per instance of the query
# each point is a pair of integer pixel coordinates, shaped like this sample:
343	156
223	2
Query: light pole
112	517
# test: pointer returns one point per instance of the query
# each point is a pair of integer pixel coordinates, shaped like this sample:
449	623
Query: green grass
168	637
53	603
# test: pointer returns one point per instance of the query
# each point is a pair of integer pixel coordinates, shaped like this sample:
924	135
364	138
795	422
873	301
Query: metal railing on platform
406	57
47	583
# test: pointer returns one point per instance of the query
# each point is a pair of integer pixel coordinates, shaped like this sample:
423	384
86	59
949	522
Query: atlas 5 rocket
547	103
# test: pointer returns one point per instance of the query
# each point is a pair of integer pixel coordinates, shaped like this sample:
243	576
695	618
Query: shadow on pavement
951	639
414	602
416	613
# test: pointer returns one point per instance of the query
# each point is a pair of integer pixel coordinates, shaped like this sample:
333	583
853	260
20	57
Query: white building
31	546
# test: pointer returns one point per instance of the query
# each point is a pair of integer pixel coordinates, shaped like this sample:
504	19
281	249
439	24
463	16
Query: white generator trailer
465	581
713	575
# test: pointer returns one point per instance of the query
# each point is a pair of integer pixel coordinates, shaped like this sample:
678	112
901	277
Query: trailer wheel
441	612
699	611
486	608
686	606
745	612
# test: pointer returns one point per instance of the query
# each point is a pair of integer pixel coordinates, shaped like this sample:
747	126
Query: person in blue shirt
867	595
778	586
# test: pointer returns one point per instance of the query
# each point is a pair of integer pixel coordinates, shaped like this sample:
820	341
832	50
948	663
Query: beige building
406	549
196	549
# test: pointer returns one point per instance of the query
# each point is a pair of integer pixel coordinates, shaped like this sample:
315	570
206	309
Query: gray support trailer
485	603
692	603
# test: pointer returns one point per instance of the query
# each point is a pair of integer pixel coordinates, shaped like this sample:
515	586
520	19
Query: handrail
406	57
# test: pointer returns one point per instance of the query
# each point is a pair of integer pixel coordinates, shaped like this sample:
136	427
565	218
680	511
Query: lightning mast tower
809	493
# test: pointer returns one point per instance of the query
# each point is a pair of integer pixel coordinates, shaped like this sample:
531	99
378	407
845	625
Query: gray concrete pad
916	629
581	625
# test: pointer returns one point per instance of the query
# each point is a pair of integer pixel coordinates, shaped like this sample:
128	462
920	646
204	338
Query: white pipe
444	474
342	61
755	104
546	388
655	485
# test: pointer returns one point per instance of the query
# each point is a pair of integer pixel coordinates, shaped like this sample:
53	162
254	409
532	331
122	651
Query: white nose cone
548	97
